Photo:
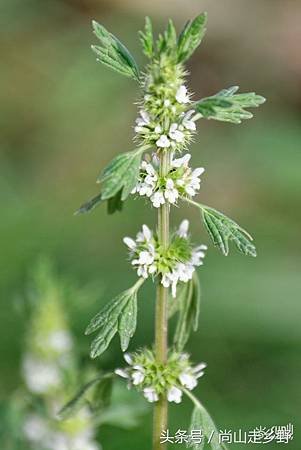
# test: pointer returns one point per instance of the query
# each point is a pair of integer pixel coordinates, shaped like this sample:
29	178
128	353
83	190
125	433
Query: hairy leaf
90	205
147	39
221	229
79	400
128	322
118	315
102	394
115	203
227	106
113	53
120	175
201	420
191	37
189	309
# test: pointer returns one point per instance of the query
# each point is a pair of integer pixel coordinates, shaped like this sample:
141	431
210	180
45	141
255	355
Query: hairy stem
161	315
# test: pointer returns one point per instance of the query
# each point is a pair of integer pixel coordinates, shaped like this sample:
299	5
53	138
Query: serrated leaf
147	39
120	175
227	106
189	309
191	37
110	320
78	400
128	322
113	53
101	387
90	205
222	229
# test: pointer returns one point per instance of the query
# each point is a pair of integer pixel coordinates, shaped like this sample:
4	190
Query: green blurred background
63	117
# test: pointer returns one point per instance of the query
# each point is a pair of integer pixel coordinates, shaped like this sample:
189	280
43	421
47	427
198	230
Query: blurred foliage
64	117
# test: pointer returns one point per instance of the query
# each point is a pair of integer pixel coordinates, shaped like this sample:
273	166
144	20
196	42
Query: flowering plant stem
161	314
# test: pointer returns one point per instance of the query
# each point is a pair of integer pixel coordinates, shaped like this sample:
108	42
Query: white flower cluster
178	131
41	434
146	257
47	361
180	375
41	374
180	181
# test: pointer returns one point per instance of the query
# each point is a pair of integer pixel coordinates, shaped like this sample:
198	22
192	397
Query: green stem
161	314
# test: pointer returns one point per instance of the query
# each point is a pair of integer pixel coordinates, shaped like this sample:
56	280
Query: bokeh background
63	117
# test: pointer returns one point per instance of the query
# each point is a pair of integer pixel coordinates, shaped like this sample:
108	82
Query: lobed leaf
147	38
189	309
79	400
227	106
222	229
119	315
191	37
113	53
102	389
120	175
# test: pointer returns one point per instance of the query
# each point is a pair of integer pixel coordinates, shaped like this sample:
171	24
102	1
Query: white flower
138	376
145	257
144	120
145	235
128	359
121	373
35	428
158	129
175	133
183	229
157	199
163	142
198	370
182	95
188	380
129	242
194	182
181	162
187	122
198	254
40	377
171	193
150	394
174	394
60	341
198	172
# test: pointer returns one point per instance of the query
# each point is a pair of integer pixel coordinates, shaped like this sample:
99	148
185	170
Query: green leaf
201	420
128	323
113	53
191	37
147	39
115	203
170	36
227	106
78	400
118	315
189	310
102	394
120	175
90	205
221	229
